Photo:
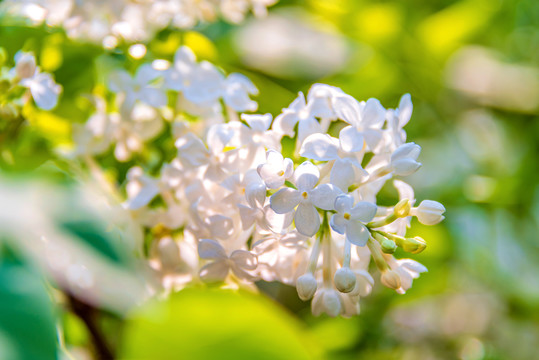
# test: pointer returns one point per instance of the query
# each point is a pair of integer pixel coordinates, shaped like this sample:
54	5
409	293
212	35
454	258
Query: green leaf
216	324
27	320
93	233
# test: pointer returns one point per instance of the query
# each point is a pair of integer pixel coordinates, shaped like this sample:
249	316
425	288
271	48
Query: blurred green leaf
27	320
94	234
216	324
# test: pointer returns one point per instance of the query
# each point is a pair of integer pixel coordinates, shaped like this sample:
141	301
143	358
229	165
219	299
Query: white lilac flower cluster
108	21
141	104
253	213
26	81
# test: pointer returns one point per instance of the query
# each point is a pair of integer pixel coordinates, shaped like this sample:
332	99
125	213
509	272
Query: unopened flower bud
403	160
389	246
414	245
306	286
345	280
391	279
430	212
402	209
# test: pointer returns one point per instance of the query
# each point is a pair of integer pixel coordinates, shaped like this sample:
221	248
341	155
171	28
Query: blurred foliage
27	316
209	324
480	299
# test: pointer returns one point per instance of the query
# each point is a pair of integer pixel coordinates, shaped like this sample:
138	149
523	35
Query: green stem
387	220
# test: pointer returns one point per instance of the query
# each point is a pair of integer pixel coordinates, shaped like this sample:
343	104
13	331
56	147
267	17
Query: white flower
327	301
320	99
139	87
237	89
364	283
305	198
141	189
367	117
349	219
429	212
403	160
177	77
276	170
397	119
255	138
264	217
200	83
43	89
281	257
402	274
346	169
193	153
240	262
297	113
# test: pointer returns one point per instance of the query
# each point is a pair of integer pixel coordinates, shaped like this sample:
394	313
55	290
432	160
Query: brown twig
88	314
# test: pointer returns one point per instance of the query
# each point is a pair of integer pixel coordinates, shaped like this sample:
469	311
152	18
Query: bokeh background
472	68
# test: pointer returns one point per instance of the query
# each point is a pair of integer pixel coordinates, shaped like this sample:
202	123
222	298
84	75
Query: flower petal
214	272
258	122
247	215
372	137
323	196
347	109
285	200
270	175
406	151
210	249
307	127
350	139
307	219
184	56
338	223
44	91
405	110
405	167
143	197
153	96
284	123
145	74
344	203
364	283
405	191
306	176
219	135
255	193
192	151
244	259
277	222
357	233
364	211
342	174
220	226
373	115
321	147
